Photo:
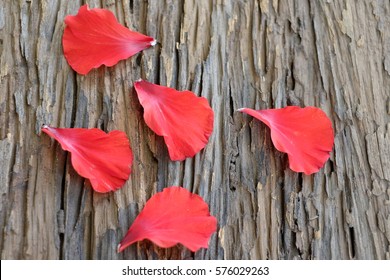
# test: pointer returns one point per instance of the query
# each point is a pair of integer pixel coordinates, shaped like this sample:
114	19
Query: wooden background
333	54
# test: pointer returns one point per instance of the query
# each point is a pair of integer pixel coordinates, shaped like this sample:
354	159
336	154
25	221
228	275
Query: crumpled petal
183	119
173	216
94	37
105	159
305	134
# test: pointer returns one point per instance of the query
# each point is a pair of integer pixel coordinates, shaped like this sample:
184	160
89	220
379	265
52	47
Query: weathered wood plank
259	54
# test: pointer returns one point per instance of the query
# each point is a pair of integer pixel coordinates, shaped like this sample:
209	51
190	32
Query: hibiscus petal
183	119
173	216
305	134
105	159
94	37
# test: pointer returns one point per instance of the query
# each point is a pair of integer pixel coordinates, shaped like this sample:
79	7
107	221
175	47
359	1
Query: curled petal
305	134
183	119
173	216
105	159
94	37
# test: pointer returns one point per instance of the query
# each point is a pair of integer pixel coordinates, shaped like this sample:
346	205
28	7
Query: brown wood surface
333	54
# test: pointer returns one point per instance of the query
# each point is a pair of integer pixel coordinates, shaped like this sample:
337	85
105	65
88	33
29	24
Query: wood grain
258	54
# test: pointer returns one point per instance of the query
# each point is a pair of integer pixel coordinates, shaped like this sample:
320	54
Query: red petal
94	37
104	159
183	119
305	134
170	217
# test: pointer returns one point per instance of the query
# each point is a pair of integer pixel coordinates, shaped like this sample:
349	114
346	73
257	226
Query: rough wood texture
258	54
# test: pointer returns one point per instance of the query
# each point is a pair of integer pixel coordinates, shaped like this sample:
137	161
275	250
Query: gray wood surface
332	54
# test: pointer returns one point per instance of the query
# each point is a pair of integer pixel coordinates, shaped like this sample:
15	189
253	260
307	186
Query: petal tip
153	43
